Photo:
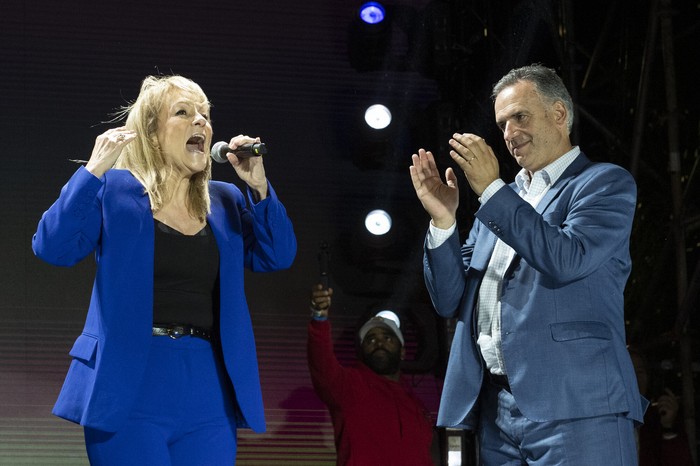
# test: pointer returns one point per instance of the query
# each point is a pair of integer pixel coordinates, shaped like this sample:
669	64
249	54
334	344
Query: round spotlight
372	13
378	222
377	116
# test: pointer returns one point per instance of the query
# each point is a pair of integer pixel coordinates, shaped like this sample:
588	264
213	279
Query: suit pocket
567	331
84	349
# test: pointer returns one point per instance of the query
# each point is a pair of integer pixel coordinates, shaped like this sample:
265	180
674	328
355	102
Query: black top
185	274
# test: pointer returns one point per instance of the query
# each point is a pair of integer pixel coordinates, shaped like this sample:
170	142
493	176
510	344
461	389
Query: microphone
324	258
221	148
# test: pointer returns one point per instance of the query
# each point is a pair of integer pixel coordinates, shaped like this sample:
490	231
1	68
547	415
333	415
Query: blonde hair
143	157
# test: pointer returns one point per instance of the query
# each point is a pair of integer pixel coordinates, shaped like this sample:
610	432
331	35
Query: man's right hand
439	199
321	299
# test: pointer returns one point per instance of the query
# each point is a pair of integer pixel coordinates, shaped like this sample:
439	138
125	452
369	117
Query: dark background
283	71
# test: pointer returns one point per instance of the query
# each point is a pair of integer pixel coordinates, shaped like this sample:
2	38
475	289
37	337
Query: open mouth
196	143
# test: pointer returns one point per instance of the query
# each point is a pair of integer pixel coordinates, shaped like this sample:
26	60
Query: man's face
382	351
534	131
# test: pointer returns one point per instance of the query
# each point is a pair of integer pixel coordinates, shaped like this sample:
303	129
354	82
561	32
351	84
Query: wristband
317	314
668	433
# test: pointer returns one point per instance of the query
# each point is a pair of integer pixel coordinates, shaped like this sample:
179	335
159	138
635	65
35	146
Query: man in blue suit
538	364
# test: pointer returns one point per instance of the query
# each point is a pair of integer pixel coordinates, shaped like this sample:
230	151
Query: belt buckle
177	331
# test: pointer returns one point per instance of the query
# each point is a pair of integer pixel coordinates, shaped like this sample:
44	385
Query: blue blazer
111	216
562	309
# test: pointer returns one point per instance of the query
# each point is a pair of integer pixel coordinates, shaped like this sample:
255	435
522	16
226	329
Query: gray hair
549	86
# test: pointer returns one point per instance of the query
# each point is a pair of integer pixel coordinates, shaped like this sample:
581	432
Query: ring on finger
120	138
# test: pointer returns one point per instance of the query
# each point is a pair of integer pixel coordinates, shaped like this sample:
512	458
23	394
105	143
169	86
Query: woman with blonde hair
165	369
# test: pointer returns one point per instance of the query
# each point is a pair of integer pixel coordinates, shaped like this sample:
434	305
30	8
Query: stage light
369	38
372	13
378	222
378	116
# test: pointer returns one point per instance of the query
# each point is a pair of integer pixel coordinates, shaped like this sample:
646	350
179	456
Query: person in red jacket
662	438
377	420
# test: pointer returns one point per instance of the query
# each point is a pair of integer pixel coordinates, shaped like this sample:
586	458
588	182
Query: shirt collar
551	173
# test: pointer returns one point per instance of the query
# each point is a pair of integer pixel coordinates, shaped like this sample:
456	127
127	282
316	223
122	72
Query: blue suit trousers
507	438
184	413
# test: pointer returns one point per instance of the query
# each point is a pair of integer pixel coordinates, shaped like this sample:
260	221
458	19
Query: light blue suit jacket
562	309
111	216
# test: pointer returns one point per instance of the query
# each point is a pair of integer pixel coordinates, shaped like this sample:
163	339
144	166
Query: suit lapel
127	184
576	167
217	218
485	243
486	240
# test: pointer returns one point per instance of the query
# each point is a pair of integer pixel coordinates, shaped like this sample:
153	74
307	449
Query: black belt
180	330
500	381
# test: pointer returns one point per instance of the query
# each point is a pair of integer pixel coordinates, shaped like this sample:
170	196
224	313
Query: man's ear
560	113
403	353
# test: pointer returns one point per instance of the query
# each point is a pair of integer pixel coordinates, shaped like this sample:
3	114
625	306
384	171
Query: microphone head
219	151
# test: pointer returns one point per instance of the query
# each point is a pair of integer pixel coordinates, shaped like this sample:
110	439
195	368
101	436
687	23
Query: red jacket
377	422
657	450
